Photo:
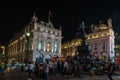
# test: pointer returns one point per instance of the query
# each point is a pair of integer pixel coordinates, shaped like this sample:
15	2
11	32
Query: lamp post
27	46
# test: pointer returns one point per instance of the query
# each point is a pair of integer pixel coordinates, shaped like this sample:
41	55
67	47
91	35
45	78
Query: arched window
55	47
40	45
48	46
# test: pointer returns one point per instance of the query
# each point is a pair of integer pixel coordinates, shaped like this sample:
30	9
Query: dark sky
65	13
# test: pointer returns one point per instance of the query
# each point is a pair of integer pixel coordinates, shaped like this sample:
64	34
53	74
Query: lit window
48	47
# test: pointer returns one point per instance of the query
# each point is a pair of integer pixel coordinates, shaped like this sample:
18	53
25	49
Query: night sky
65	13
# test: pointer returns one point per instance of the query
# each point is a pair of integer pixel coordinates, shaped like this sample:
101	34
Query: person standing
78	69
46	70
110	69
1	71
66	68
51	67
30	70
36	70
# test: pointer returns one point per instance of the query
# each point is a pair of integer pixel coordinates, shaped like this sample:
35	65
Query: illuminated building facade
117	44
37	42
70	48
101	40
2	52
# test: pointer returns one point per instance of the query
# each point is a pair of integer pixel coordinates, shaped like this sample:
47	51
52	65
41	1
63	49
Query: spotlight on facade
65	47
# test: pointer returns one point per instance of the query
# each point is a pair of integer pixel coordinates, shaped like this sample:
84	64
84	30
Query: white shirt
65	64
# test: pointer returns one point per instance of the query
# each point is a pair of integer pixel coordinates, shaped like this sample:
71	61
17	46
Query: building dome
102	26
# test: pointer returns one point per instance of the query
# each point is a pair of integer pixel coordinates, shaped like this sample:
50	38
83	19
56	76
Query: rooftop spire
100	22
49	21
83	27
34	18
60	28
109	23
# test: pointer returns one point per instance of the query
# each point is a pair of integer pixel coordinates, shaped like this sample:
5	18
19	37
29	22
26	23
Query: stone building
117	44
2	52
37	42
101	39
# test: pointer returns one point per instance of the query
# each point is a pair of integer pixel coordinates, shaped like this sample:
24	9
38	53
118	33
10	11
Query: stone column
35	36
52	45
60	47
44	44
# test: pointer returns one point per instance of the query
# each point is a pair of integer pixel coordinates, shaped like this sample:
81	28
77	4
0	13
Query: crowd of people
74	66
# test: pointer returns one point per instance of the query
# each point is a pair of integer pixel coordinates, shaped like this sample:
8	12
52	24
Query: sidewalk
16	74
87	77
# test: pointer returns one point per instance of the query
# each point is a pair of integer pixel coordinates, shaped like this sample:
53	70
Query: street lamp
28	34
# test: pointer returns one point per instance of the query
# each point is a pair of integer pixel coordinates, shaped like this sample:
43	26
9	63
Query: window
40	45
105	34
95	46
48	38
55	33
42	29
38	28
99	35
40	36
51	32
55	47
103	45
103	48
48	46
46	31
90	36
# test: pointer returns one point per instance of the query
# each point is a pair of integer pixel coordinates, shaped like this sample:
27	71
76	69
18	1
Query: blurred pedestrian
110	69
30	70
46	70
36	70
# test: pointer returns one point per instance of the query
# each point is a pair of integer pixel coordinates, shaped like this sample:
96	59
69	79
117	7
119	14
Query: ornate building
2	51
37	42
117	44
70	48
101	40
